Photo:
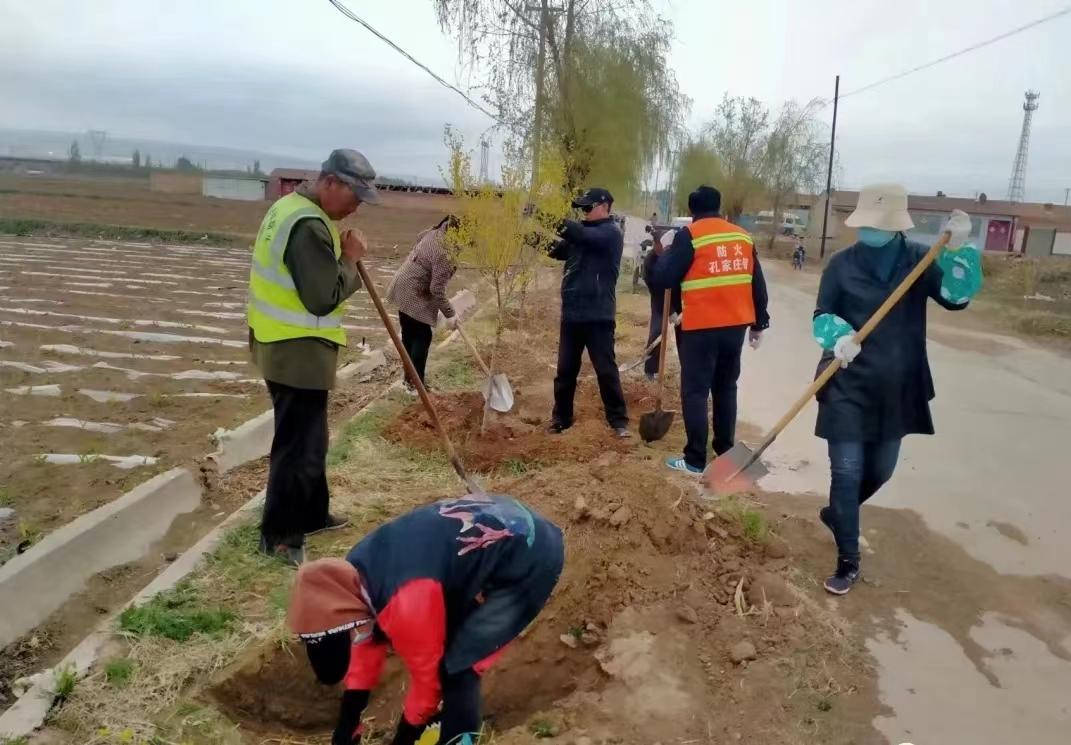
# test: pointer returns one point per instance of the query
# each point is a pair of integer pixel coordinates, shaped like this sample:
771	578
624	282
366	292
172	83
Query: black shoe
293	555
841	582
333	523
556	428
826	516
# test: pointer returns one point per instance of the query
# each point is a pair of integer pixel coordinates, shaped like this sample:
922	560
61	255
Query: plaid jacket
419	286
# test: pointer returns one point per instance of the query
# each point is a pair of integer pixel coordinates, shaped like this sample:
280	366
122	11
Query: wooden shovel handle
472	348
872	322
662	351
414	378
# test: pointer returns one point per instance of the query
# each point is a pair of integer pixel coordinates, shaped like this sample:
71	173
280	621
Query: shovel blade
499	393
724	475
655	424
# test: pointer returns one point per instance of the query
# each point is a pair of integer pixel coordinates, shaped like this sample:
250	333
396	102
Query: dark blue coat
886	392
592	255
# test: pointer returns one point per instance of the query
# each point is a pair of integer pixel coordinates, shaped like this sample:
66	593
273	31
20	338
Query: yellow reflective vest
274	309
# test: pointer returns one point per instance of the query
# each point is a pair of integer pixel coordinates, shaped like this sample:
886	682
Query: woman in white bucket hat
883	393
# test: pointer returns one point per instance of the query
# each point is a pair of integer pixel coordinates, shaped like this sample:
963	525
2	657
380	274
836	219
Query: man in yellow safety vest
303	270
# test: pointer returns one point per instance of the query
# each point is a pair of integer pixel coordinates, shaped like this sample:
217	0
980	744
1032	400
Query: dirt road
992	482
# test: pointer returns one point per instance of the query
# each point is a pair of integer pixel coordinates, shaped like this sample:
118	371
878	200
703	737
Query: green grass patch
369	423
518	466
176	615
824	704
118	672
542	729
455	374
66	680
6	500
29	226
754	524
20	740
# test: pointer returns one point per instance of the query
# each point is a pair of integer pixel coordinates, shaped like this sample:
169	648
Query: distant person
723	294
662	241
418	290
302	271
654	220
883	393
591	250
799	256
446	587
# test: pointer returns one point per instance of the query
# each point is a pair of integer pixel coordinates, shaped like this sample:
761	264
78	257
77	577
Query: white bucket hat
881	206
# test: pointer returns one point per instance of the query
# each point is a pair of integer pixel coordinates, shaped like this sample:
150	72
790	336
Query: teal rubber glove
828	328
962	269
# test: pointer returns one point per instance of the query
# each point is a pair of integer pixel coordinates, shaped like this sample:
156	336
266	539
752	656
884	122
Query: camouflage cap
354	169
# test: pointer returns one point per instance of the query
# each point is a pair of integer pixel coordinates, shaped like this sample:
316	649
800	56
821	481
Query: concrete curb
31	710
36	583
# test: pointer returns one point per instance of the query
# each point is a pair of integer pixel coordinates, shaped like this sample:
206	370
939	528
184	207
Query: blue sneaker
679	464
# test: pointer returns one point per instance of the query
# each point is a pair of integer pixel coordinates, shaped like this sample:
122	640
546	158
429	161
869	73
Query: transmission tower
97	138
484	149
1017	184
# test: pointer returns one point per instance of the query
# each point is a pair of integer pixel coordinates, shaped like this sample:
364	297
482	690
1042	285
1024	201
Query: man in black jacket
591	251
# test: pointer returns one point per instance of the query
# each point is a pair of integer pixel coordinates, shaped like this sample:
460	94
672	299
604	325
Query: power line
474	104
973	47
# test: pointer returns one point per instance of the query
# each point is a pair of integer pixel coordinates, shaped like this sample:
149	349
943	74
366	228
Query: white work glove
754	338
675	318
846	349
449	323
959	225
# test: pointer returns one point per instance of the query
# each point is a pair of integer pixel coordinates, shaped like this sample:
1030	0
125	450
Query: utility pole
1067	194
829	170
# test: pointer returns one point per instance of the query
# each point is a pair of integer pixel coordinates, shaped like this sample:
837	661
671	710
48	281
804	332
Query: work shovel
655	424
739	468
626	366
497	392
422	391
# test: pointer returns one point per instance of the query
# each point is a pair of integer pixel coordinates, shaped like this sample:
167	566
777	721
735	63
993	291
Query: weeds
457	374
6	500
20	740
29	534
175	615
518	466
367	424
824	704
118	672
541	728
66	679
755	527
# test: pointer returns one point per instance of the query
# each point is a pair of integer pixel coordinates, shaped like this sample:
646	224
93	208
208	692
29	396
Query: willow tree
697	164
502	231
590	77
738	132
795	157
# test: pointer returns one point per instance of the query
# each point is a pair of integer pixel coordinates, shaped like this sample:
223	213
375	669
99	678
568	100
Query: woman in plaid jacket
418	290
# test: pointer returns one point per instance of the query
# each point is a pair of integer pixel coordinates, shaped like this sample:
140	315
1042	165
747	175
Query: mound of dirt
640	642
519	437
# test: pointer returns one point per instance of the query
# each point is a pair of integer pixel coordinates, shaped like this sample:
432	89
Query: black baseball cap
593	196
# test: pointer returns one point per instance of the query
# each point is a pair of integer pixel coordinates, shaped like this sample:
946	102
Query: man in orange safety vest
723	294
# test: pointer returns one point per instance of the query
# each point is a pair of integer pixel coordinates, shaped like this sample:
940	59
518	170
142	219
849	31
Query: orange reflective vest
716	291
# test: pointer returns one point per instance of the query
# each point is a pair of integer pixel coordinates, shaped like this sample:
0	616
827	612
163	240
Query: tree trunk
540	75
775	227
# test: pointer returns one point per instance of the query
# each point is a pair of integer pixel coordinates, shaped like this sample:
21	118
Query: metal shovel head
724	476
499	394
655	424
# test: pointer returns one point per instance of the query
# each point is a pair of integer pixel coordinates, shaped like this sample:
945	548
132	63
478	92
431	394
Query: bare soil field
120	360
390	226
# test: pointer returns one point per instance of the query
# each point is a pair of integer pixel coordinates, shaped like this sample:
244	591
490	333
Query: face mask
875	238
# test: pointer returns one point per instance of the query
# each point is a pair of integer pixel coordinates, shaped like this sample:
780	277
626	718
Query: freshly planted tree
503	231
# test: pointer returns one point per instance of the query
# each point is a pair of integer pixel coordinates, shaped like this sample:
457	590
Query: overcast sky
295	77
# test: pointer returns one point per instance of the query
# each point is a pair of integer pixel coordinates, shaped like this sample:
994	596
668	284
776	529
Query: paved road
1003	416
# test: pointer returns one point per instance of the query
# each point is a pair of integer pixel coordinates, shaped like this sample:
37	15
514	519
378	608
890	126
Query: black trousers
297	495
416	338
710	367
598	338
650	365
